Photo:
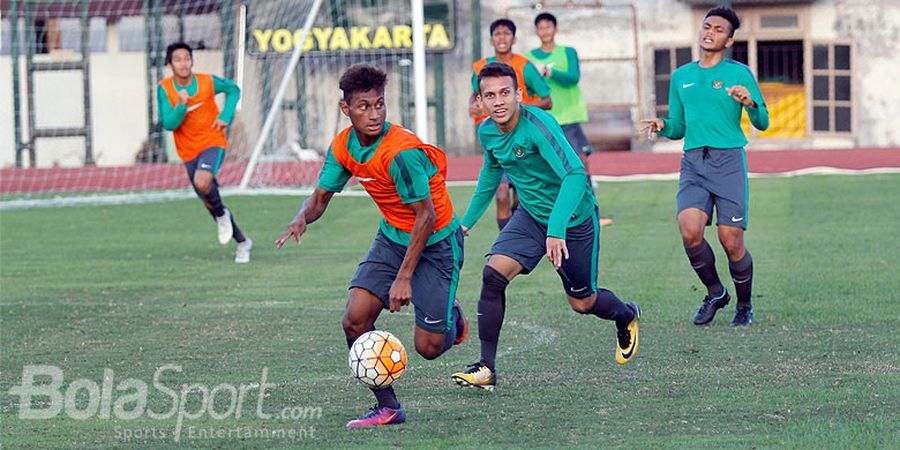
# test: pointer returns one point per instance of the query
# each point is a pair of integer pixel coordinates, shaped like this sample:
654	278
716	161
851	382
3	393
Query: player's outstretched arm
312	209
401	288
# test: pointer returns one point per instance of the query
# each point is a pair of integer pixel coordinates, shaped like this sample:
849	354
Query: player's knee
429	350
493	279
582	305
202	186
691	236
734	248
353	327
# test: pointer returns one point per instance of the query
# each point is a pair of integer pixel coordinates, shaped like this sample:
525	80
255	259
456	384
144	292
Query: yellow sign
336	39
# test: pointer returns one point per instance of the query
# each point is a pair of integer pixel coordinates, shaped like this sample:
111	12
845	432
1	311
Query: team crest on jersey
520	152
718	84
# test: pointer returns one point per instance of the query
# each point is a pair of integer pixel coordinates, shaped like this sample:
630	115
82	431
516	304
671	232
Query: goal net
85	119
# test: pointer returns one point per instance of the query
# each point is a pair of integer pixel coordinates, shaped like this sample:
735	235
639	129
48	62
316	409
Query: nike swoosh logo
686	85
630	351
736	219
579	290
204	166
364	179
193	107
431	322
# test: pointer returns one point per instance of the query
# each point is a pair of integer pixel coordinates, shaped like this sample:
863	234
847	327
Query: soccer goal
83	115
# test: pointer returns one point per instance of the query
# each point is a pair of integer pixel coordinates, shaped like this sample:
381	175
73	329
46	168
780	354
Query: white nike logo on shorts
686	85
430	321
736	219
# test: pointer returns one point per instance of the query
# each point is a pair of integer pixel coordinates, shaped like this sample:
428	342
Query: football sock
742	275
236	232
212	200
213	203
386	397
491	309
608	306
703	260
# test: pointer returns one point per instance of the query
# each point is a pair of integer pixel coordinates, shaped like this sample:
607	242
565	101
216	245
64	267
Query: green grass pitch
132	288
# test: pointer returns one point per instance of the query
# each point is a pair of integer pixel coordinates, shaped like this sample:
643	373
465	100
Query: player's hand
652	126
741	95
295	229
401	293
465	230
557	251
219	125
183	97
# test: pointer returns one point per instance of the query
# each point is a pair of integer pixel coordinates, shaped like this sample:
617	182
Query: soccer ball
377	359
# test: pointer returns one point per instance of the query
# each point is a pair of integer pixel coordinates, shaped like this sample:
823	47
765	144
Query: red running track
464	168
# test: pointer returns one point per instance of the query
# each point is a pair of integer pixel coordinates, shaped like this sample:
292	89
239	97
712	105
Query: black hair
545	16
496	69
361	78
177	46
727	14
503	23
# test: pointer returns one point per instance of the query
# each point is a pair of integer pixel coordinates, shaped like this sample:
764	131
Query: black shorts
525	240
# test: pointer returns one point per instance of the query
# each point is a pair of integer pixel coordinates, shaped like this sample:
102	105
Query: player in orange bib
418	250
187	107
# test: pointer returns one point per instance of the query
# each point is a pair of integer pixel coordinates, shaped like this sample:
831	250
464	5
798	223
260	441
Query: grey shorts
715	177
434	280
525	240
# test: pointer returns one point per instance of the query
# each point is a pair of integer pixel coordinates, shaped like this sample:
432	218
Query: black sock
212	200
491	309
608	306
703	260
386	397
236	232
742	275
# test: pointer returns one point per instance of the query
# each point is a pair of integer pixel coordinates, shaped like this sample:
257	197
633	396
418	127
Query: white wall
873	26
118	102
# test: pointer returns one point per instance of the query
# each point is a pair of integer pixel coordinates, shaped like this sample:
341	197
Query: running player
557	219
418	250
187	107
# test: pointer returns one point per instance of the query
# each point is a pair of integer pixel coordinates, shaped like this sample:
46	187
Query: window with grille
665	61
832	89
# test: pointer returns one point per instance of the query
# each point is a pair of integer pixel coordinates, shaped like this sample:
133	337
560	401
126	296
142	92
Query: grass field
132	288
